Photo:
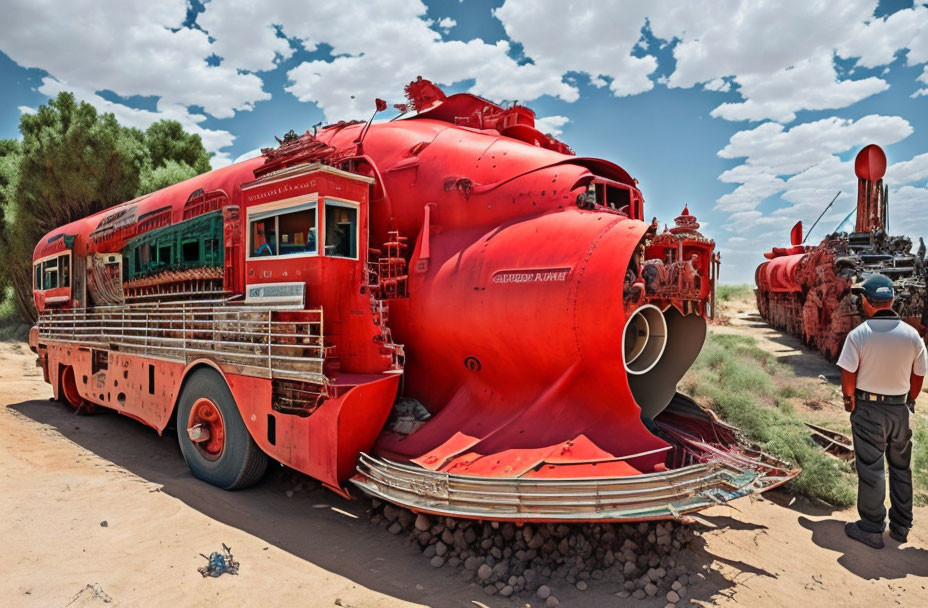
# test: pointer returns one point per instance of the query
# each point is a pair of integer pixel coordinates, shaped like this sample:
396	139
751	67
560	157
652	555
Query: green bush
73	161
11	326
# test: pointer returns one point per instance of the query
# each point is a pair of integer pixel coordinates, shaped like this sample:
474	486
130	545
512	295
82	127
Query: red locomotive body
808	291
525	342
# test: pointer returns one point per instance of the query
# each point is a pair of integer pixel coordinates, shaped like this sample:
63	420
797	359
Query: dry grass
751	390
920	459
728	293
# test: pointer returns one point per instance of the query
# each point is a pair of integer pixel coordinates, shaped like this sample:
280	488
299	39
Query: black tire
241	462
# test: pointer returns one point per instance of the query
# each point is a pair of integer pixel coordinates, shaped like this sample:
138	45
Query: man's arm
849	362
849	384
919	369
915	387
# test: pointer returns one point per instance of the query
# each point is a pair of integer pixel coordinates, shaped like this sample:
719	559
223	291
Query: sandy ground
62	475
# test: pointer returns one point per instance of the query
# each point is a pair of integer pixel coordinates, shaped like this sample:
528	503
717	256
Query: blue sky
750	112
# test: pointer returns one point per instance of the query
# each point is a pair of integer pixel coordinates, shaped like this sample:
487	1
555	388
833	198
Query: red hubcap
206	429
69	388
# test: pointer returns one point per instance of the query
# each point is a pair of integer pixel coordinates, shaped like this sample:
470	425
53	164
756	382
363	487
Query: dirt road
62	476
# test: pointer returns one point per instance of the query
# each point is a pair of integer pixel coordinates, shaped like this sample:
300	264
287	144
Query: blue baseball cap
877	288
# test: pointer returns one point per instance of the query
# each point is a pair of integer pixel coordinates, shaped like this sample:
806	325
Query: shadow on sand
891	562
307	526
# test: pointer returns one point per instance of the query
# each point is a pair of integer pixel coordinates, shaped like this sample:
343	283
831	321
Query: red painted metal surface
512	286
206	428
870	163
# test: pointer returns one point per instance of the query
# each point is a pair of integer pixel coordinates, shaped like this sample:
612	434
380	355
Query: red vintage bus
207	298
525	343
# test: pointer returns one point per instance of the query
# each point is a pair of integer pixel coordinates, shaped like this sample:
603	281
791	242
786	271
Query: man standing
883	365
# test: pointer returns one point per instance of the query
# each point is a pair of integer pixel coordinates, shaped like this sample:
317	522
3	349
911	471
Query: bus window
286	232
190	252
264	237
50	274
341	230
297	231
37	279
64	270
164	254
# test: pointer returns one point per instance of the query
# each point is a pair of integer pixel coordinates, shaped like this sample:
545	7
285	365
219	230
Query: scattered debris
407	416
835	443
345	513
90	593
219	563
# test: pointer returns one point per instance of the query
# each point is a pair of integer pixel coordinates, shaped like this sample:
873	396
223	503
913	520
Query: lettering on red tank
531	275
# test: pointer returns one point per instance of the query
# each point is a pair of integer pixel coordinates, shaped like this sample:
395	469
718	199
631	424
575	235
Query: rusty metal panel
807	291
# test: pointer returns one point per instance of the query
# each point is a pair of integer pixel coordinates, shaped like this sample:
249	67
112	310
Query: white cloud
789	151
924	79
26	110
877	41
397	43
376	49
446	24
132	47
730	37
907	172
810	84
801	165
779	53
247	155
552	125
593	37
232	23
908	211
749	194
719	85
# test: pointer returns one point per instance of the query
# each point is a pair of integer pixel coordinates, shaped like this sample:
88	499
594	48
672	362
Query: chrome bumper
668	495
721	474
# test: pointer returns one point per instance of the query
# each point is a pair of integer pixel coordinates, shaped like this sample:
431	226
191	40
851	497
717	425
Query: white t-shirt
884	351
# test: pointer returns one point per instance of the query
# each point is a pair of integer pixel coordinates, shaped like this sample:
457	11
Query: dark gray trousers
882	429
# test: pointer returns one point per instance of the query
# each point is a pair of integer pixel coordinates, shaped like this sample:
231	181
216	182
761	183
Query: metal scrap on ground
219	563
835	443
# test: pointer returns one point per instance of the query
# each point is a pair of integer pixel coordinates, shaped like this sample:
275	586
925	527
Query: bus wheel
212	436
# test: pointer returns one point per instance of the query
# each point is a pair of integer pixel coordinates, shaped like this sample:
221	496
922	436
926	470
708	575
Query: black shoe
871	539
899	533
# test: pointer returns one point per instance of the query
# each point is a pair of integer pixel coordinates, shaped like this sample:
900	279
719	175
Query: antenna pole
821	215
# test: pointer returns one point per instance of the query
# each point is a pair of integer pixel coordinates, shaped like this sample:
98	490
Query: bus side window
264	237
37	278
50	274
341	231
164	254
190	251
64	270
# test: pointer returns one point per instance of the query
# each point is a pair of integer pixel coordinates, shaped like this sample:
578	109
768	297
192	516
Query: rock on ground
534	560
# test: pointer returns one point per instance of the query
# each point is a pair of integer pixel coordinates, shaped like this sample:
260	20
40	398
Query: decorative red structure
807	291
450	311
